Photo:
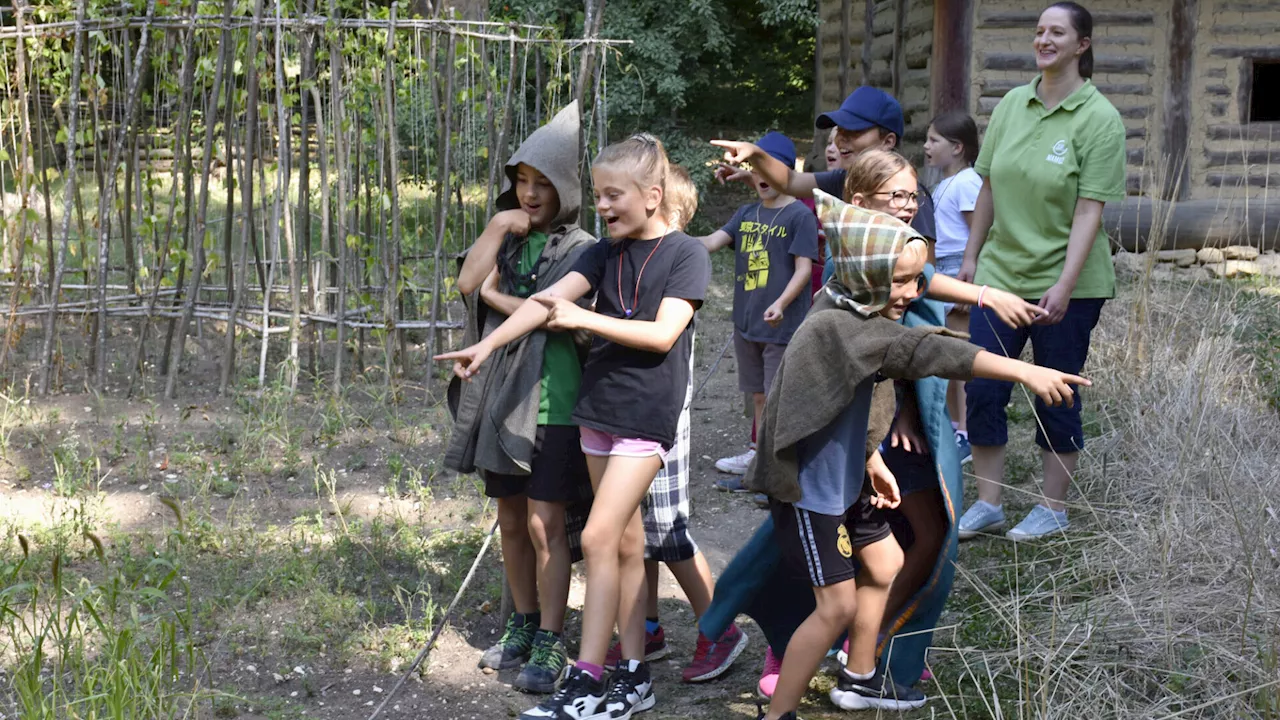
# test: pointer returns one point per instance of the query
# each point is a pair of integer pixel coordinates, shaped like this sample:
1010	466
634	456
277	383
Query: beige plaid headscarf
865	245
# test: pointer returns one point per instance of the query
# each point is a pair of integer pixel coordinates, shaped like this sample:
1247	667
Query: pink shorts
603	444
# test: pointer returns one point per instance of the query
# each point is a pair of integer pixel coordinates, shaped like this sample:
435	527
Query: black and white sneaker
878	692
579	697
630	692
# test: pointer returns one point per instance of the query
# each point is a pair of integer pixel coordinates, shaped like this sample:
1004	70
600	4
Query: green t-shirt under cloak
1039	162
561	371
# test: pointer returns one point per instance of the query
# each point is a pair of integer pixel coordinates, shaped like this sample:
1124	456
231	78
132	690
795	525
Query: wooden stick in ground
391	248
327	242
246	195
442	196
105	202
182	157
283	178
51	319
26	165
308	40
340	157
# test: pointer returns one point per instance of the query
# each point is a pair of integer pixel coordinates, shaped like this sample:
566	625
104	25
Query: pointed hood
865	245
553	151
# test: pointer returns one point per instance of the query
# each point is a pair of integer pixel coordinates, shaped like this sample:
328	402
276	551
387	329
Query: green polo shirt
1039	162
561	371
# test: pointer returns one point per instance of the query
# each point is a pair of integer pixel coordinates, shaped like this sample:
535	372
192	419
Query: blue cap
779	147
866	107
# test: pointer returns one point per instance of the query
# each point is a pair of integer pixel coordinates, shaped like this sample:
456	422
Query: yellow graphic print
755	241
843	543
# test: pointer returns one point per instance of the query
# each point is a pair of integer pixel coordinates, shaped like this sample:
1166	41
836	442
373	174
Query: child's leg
518	553
551	546
881	561
928	519
613	543
651	584
694	576
757	404
837	606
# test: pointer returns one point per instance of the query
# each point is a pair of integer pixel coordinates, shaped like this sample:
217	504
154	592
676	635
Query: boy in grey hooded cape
513	424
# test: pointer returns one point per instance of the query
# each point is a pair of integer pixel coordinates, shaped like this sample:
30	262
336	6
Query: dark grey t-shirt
766	242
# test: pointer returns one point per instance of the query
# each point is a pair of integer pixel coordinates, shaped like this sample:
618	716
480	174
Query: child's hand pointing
467	360
562	314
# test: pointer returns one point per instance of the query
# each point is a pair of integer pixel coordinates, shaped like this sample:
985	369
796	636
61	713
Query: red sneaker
713	657
655	648
769	676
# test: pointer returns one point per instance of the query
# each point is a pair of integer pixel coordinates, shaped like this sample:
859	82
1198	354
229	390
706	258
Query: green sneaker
512	648
547	663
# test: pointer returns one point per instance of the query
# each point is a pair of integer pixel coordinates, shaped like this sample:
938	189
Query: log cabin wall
1232	156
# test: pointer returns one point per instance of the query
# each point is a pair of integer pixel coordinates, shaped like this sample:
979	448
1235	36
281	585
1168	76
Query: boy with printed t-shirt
776	241
515	423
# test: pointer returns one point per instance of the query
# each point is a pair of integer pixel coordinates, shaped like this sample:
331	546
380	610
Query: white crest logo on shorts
1058	156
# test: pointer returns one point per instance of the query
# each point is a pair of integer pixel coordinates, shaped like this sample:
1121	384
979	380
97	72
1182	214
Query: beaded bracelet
981	292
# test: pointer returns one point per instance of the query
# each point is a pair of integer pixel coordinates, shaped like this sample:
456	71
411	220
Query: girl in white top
952	147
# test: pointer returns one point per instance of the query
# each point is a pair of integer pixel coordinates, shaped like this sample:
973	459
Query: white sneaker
736	465
1041	521
981	517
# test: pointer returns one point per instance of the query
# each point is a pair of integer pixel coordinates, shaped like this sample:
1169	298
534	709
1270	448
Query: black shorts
825	544
558	474
914	471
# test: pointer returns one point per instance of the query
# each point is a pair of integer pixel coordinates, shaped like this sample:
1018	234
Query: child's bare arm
531	315
1052	386
716	240
483	255
799	282
495	298
1011	309
657	335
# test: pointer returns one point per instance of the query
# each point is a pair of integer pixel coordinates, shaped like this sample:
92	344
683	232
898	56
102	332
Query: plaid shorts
666	508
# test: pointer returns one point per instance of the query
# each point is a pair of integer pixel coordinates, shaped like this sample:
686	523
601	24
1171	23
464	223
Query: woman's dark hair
1082	23
957	127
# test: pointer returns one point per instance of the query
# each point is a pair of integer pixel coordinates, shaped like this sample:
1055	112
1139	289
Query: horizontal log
1103	63
1193	223
1219	90
1134	132
1249	29
1217	73
999	88
1134	113
1231	180
1218	109
1231	158
1133	183
1028	19
1135	156
1246	6
1116	40
1255	52
1255	131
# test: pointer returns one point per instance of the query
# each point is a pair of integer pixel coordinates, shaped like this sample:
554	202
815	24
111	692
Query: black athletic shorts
558	473
824	544
914	471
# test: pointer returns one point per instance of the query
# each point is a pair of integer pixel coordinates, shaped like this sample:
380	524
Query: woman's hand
563	315
1011	309
1054	302
467	361
968	268
1052	386
736	153
883	482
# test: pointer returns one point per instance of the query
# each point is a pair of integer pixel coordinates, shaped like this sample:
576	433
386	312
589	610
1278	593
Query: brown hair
680	201
872	169
642	155
957	127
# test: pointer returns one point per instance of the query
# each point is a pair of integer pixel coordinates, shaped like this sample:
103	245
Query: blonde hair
680	201
871	170
917	248
642	156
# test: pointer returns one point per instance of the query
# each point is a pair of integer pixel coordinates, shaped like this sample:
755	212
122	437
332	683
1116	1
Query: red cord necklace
635	296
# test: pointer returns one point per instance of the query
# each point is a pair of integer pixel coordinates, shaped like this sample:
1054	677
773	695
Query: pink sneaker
655	648
769	676
926	675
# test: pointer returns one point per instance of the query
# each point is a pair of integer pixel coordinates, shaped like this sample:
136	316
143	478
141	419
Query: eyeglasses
899	199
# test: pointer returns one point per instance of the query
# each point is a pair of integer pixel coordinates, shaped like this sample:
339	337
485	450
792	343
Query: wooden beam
846	45
868	39
1104	63
1194	224
1177	100
1255	53
1245	96
1258	159
1027	19
952	45
998	88
897	61
1254	131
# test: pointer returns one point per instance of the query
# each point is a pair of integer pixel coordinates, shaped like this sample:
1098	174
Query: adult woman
1053	155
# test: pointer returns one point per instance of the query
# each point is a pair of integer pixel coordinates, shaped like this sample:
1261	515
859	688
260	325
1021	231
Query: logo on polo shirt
1059	154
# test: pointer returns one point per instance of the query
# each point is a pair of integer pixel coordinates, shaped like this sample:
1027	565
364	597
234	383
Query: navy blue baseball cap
866	107
779	147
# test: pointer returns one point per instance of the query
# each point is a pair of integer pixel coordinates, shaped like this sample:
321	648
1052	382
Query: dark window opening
1264	92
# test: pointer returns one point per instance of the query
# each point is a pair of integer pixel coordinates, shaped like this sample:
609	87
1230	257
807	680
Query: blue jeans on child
1064	346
